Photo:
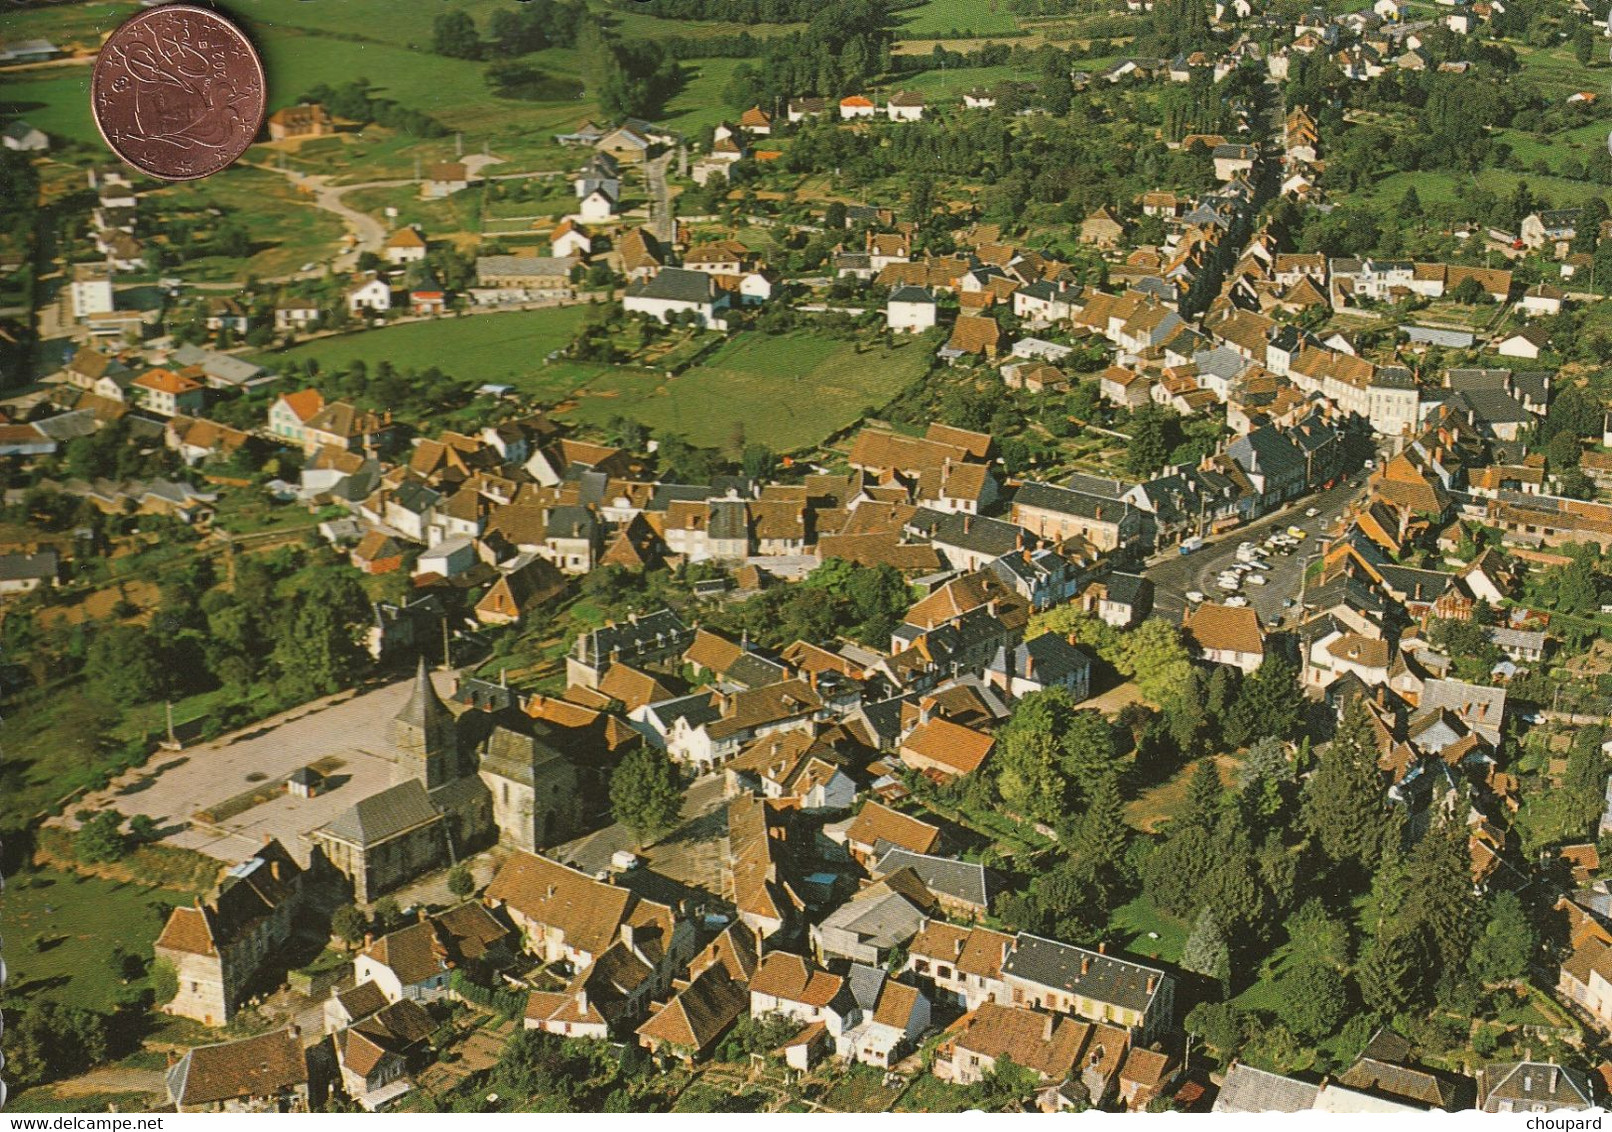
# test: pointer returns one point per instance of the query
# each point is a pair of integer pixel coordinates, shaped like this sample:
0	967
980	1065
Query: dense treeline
353	101
735	11
845	46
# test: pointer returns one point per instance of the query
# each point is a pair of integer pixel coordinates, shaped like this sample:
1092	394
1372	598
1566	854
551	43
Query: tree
1345	807
164	982
453	34
1220	1024
1439	875
100	839
1389	972
1316	936
347	923
1206	951
460	881
1270	702
1155	432
1315	999
125	663
646	794
1204	794
1508	943
1104	838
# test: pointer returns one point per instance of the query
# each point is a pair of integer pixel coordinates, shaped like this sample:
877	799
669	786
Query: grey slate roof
23	567
1129	589
675	284
974	533
1107	978
911	295
651	632
1247	1089
384	815
1048	659
1064	501
961	880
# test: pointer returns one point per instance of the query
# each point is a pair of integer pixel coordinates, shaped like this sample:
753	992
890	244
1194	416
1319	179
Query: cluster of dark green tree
417	395
839	598
49	1041
354	101
1393	931
845	45
292	618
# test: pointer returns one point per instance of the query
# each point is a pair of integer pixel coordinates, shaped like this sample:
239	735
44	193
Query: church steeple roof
425	708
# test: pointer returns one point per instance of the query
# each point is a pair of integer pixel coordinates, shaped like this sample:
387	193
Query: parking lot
1176	575
351	732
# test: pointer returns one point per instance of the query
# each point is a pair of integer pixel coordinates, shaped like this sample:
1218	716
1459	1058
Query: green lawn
940	18
1134	922
70	915
700	103
56	101
65	24
1444	188
789	392
954	83
506	347
286	230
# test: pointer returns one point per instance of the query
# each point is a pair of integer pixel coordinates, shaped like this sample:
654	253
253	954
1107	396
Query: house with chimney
414	963
268	1073
221	946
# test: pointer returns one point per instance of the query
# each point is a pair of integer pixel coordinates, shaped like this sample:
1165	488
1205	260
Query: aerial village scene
815	556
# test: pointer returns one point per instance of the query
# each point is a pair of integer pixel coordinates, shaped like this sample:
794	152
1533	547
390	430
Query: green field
940	18
56	101
789	392
700	103
70	915
1446	188
505	347
951	85
286	231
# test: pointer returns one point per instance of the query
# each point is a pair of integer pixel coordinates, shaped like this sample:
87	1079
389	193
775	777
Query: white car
1255	579
1311	512
1195	596
1237	601
1230	585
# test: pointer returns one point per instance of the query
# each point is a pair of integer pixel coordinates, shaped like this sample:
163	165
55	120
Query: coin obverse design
178	92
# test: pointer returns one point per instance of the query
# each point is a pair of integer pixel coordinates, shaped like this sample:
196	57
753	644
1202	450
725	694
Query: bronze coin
178	92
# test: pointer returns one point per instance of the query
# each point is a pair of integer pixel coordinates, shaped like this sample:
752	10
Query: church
437	810
458	785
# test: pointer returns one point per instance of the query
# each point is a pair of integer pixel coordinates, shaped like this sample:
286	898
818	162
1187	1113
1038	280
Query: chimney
1046	1028
1553	1073
1102	948
274	869
968	523
369	940
582	1001
1085	964
550	894
1152	982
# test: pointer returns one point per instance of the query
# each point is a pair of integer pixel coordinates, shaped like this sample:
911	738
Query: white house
24	138
910	310
90	290
675	290
406	245
1528	343
1541	299
448	558
596	207
373	295
905	106
570	239
856	106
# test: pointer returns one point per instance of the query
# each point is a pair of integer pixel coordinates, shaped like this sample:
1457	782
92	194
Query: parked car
1237	601
1195	596
1311	512
1255	579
